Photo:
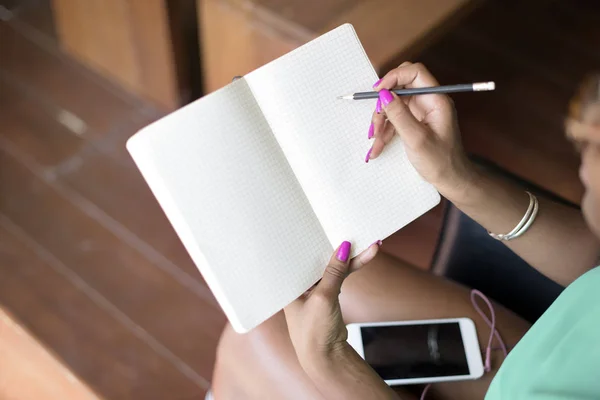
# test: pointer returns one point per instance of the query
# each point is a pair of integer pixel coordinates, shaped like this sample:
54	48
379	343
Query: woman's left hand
318	333
314	320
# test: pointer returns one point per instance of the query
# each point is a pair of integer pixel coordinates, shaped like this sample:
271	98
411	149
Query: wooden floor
88	262
90	265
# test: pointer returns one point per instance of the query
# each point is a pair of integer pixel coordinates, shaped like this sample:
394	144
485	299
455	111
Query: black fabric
467	254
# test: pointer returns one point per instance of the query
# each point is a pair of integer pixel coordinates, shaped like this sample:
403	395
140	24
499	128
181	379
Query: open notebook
263	178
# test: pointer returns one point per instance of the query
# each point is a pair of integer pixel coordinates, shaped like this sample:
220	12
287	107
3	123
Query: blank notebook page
228	191
325	140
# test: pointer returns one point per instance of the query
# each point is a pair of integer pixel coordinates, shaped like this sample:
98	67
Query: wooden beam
30	371
128	41
238	36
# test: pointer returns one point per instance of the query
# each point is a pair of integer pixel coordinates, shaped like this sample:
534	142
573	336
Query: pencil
465	87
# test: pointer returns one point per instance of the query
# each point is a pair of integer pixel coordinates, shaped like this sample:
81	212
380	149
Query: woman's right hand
427	125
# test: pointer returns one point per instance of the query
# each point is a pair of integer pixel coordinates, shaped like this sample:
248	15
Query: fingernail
378	106
385	96
368	155
343	252
371	130
378	243
377	83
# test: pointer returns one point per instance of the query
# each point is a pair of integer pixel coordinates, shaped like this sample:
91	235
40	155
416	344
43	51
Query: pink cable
425	391
491	324
493	332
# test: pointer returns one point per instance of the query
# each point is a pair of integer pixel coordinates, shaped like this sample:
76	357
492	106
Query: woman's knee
381	289
260	364
251	348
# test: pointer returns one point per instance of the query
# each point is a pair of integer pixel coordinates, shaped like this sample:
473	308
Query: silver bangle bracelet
525	222
529	222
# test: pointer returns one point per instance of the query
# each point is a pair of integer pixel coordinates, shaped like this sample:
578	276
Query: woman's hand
319	335
315	320
428	127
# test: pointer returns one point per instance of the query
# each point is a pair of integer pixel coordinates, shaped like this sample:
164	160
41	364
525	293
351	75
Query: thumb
408	127
335	272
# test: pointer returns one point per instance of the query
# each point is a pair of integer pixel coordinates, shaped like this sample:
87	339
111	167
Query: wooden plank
416	242
112	183
34	129
126	40
30	371
302	13
120	191
556	61
83	335
166	303
391	31
177	312
230	52
156	59
99	34
37	14
267	29
115	185
63	86
10	4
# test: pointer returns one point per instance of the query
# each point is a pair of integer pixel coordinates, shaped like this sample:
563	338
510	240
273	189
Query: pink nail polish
371	130
378	106
343	252
377	83
378	243
385	96
368	155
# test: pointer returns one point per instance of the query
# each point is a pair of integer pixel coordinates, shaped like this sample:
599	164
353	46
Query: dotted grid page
225	185
325	140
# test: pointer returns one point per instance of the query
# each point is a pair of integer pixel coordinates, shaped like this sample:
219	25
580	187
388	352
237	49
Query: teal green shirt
559	358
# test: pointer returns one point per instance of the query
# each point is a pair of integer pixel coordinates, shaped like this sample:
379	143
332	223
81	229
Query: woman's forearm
345	375
558	244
